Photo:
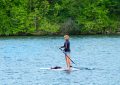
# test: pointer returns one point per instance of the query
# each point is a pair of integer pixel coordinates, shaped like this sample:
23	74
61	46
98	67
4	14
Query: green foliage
48	26
59	16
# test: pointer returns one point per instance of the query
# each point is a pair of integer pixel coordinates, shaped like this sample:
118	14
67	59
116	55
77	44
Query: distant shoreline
33	34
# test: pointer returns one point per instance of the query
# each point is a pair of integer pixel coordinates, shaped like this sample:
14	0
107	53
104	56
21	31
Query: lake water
22	57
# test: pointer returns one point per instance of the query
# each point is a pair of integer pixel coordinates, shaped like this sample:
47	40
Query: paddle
67	55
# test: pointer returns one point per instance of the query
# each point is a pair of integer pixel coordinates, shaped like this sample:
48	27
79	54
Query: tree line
43	17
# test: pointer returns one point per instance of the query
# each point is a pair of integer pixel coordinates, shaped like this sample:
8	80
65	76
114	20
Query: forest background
56	17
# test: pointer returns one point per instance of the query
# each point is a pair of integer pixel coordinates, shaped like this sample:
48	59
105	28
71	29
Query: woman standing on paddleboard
67	50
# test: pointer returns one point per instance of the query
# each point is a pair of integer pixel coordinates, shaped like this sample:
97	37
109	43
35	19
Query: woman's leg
68	61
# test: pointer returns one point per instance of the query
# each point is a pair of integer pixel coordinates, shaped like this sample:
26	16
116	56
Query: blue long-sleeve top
66	46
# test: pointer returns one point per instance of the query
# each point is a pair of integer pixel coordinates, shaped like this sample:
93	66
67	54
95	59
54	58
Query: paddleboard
72	68
60	69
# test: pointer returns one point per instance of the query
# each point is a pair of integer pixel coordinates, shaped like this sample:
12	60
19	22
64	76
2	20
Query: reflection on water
96	57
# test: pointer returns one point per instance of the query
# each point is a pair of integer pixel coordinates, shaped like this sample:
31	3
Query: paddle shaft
67	55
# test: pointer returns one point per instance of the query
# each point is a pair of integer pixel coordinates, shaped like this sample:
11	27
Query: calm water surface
22	57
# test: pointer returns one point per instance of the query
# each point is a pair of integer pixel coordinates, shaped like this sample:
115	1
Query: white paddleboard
60	69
